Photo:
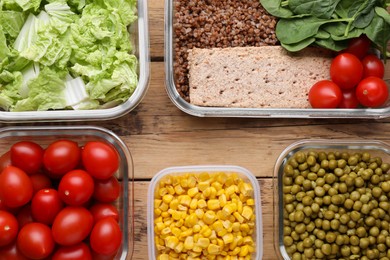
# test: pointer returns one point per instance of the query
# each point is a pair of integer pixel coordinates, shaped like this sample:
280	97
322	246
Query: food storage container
197	172
341	149
44	135
200	111
139	31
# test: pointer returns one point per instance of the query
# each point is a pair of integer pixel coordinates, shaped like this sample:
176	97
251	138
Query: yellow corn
247	212
213	249
204	216
213	204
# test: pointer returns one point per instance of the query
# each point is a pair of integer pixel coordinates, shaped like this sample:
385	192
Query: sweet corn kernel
244	251
170	190
186	233
171	242
179	189
222	199
239	206
209	217
163	257
213	249
238	217
206	231
194	203
229	209
248	240
203	242
193	191
247	212
192	181
167	198
228	238
196	228
189	243
250	202
246	189
213	204
202	203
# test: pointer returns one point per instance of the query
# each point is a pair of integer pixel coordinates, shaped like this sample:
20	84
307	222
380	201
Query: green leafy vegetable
329	23
66	54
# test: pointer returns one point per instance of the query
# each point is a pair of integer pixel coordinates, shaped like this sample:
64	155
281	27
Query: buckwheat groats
217	23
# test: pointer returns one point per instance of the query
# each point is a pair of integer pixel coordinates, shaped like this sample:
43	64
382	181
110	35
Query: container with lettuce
58	54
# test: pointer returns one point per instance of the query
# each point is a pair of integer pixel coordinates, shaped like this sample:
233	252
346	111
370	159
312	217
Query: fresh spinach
329	23
317	8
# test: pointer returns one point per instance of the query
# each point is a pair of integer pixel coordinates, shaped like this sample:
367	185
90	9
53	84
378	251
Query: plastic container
200	111
44	135
375	148
140	37
211	169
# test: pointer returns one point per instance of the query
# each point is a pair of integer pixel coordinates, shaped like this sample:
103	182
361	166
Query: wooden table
159	135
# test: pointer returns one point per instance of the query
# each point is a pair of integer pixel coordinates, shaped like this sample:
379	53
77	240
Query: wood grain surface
159	135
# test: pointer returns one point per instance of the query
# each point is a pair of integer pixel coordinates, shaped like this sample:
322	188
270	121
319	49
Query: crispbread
255	77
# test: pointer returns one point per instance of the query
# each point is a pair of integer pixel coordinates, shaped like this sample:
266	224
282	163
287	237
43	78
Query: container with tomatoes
64	194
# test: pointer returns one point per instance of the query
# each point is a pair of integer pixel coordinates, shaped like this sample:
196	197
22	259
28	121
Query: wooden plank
156	28
141	226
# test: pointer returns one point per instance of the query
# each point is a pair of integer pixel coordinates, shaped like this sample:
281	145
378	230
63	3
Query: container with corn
204	212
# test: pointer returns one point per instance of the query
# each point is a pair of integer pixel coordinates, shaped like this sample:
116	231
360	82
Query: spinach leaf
364	14
378	31
318	8
274	8
299	45
322	34
337	31
383	13
295	30
332	44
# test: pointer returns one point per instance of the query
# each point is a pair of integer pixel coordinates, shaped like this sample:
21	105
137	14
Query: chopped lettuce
66	54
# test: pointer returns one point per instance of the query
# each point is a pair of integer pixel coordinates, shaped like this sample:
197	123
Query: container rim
307	144
100	114
198	111
177	170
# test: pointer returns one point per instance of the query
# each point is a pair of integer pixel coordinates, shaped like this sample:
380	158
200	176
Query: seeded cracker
255	77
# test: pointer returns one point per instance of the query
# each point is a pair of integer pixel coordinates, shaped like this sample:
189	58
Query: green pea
326	249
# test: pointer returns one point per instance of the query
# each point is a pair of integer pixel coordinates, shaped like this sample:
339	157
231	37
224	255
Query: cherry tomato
15	187
5	160
96	256
372	92
373	66
107	190
24	216
100	159
72	225
106	236
9	228
349	99
27	156
102	210
76	187
76	252
346	70
61	157
40	181
11	252
45	206
35	241
359	46
325	94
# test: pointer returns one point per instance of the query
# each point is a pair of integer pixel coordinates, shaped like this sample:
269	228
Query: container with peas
332	200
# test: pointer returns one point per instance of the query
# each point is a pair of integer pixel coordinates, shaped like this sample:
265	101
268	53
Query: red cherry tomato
349	99
35	241
372	92
373	66
76	187
325	94
100	159
61	157
40	181
106	236
346	70
5	160
24	216
107	190
72	225
15	187
11	252
102	210
9	228
359	46
27	156
76	252
96	256
45	206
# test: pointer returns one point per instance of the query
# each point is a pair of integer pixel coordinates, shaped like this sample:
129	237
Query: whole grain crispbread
255	77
